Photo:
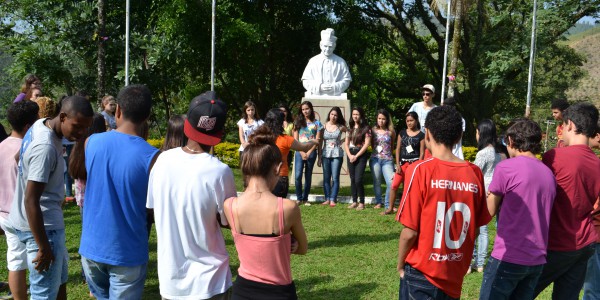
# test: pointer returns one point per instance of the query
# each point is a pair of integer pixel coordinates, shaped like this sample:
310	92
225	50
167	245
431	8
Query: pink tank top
264	259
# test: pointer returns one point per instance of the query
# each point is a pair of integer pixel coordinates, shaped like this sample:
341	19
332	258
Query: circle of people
548	218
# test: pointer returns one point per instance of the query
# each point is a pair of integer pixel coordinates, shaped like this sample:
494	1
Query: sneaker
360	207
353	205
306	203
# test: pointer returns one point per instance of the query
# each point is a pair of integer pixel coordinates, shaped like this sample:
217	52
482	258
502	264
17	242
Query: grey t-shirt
40	160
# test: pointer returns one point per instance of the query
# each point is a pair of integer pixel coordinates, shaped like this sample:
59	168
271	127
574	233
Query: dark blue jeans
414	285
306	167
567	271
504	280
68	179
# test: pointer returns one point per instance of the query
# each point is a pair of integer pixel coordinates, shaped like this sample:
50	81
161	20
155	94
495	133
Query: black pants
244	289
357	170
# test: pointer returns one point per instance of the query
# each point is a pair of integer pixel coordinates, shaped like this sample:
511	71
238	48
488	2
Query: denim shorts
114	282
45	284
16	255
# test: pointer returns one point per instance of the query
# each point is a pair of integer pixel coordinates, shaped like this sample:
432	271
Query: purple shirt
528	189
19	98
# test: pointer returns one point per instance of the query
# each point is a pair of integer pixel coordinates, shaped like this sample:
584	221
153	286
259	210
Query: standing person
306	128
247	124
332	154
409	149
288	128
114	237
558	106
175	136
36	213
109	105
356	147
457	149
31	81
486	159
285	143
424	107
186	190
591	289
264	226
577	171
525	188
382	158
442	206
21	116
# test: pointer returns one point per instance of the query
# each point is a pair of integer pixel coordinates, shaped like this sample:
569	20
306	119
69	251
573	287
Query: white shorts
16	253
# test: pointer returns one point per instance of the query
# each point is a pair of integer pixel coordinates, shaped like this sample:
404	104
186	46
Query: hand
326	87
319	162
400	268
398	170
43	258
295	245
304	155
352	158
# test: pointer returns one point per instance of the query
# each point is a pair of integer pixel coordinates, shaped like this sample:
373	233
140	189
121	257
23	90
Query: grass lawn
351	255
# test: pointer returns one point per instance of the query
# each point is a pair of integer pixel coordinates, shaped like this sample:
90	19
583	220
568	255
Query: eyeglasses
426	94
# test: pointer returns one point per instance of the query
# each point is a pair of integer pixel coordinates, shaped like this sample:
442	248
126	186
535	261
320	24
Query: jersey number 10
444	218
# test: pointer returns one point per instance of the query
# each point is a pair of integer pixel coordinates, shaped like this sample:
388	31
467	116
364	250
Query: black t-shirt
414	142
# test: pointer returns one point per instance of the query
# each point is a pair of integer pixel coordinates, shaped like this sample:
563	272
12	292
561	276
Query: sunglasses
426	94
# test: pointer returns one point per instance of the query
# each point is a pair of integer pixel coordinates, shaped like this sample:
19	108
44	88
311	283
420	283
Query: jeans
357	170
114	282
331	173
45	285
591	286
282	188
305	166
381	167
480	252
504	280
567	270
414	285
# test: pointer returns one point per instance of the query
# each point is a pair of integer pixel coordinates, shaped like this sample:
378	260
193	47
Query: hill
587	43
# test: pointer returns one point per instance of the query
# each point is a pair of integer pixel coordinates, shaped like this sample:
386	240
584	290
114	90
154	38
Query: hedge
225	151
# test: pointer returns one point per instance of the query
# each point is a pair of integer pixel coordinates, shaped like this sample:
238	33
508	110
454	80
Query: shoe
325	203
69	199
332	204
306	203
378	206
353	205
360	207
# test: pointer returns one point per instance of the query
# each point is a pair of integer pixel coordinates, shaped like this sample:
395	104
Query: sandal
378	206
332	204
360	207
353	205
387	212
325	203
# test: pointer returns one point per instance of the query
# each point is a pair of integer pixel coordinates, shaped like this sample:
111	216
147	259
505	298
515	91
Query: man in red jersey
572	237
442	207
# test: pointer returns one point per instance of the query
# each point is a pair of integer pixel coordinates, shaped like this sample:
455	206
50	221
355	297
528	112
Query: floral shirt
382	145
333	143
309	132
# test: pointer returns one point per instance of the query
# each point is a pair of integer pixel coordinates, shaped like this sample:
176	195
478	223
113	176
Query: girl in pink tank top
266	229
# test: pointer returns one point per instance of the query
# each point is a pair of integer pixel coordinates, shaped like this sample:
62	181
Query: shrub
469	153
227	152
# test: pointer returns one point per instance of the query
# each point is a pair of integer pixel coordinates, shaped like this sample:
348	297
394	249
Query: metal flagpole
126	42
446	53
212	49
531	60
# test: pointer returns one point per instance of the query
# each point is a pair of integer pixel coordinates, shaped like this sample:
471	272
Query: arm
44	256
297	146
365	146
318	146
241	136
407	240
398	153
422	146
298	232
493	203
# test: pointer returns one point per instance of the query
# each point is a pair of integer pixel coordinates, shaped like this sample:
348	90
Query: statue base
308	95
322	105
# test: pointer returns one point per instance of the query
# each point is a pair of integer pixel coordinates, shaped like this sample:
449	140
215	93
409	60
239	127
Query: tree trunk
101	82
458	12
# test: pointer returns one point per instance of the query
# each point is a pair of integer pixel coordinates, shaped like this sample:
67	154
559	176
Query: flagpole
126	42
442	96
212	48
531	60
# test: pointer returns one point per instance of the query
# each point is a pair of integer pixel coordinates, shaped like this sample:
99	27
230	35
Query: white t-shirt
422	112
187	192
248	129
457	149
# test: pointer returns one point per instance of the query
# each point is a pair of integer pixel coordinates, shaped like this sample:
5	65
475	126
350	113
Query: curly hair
21	114
445	125
525	135
47	107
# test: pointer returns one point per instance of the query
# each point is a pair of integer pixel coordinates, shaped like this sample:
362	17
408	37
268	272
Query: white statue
326	73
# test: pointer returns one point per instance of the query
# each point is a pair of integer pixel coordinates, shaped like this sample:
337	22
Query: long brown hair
261	154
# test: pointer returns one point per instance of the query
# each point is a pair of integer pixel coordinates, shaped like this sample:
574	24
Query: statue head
328	41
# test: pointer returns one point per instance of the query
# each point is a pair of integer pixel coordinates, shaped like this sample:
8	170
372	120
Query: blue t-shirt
114	214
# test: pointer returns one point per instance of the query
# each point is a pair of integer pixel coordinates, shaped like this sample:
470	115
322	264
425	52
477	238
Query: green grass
352	255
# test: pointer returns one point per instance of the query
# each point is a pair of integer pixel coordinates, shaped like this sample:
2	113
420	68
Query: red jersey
577	171
445	203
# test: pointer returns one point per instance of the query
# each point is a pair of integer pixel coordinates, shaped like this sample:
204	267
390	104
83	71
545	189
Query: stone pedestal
322	105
